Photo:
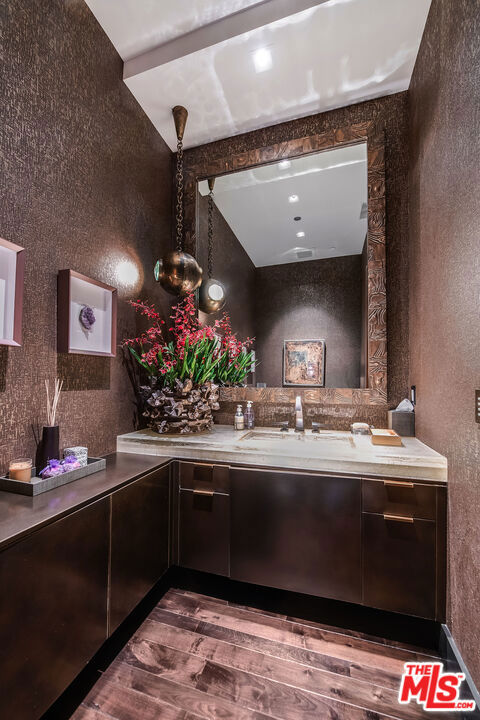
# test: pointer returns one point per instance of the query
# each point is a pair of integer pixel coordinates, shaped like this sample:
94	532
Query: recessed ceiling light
333	248
262	59
301	234
297	218
293	198
284	164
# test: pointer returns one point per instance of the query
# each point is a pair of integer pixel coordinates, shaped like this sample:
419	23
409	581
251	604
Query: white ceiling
331	187
199	54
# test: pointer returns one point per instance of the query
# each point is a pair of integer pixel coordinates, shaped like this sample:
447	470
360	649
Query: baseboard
453	661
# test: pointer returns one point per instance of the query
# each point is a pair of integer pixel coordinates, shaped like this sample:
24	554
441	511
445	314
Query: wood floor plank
377	676
312	623
86	713
198	658
312	630
331	644
121	703
247	695
302	677
186	698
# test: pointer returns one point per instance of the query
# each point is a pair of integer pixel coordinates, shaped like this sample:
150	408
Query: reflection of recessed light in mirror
262	59
293	198
127	273
215	292
301	234
284	164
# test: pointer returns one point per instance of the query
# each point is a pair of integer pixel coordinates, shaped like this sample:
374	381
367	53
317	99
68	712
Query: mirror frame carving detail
210	166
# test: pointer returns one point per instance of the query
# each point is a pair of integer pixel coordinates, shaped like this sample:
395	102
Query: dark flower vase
50	448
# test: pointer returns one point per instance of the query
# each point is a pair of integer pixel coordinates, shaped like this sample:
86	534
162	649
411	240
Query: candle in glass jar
20	469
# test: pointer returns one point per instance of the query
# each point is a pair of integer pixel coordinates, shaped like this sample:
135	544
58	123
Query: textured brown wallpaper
85	183
231	265
312	299
445	285
390	113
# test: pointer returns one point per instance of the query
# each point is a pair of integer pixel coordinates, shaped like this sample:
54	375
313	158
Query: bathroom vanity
325	514
330	516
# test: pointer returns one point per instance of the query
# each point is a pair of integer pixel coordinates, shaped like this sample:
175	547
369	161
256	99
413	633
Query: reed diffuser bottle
50	444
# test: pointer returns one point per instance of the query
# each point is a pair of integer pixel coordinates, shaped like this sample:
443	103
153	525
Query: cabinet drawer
399	497
204	531
204	476
399	565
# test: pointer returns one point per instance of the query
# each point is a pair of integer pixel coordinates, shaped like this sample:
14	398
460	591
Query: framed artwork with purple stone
304	363
87	315
11	292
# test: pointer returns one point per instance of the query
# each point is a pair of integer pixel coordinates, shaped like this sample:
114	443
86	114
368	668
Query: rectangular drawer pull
198	491
398	518
398	483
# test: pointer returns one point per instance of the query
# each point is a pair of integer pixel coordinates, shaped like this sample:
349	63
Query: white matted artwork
11	293
86	315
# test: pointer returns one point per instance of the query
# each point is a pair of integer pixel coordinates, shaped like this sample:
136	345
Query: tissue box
402	421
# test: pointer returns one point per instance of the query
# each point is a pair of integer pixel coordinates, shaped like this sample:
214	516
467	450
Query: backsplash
336	409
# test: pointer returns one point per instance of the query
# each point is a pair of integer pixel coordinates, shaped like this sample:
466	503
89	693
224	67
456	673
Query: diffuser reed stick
52	403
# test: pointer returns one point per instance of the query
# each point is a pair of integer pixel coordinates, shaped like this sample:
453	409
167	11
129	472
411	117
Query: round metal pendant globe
212	296
178	273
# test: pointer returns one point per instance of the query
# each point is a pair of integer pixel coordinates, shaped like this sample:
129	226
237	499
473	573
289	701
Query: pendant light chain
179	179
210	234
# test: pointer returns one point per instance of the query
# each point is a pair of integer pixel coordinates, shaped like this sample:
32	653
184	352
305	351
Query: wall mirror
299	243
289	244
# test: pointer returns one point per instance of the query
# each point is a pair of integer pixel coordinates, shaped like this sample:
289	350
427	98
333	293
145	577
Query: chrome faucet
298	414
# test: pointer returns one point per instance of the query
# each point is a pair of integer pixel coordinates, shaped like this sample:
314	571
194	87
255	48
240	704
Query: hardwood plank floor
196	657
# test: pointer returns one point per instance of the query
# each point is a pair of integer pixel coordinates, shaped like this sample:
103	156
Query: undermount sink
269	435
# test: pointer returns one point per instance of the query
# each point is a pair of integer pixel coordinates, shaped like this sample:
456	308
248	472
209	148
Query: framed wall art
12	264
304	363
87	315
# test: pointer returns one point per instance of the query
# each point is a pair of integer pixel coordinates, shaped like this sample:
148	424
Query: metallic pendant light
178	272
212	295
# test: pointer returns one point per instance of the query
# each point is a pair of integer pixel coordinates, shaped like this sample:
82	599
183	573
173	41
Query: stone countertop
328	451
22	514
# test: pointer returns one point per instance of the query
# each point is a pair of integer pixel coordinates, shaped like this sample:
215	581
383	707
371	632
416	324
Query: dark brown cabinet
204	518
399	564
297	532
140	541
53	609
404	537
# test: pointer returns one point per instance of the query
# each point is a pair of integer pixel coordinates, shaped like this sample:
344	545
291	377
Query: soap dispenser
238	420
249	416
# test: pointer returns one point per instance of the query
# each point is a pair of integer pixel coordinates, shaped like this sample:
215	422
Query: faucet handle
282	425
316	427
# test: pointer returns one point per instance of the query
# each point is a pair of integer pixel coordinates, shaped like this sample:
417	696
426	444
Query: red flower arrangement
199	353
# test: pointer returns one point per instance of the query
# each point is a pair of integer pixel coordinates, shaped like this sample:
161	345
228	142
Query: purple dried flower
52	469
70	463
87	317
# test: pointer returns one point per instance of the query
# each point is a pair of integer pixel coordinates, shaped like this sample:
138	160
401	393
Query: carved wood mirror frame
200	166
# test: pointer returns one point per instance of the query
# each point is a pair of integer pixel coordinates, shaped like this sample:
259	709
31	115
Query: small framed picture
87	315
12	266
304	363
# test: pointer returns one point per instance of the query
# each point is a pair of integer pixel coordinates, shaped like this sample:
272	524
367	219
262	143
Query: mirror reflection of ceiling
238	65
329	192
